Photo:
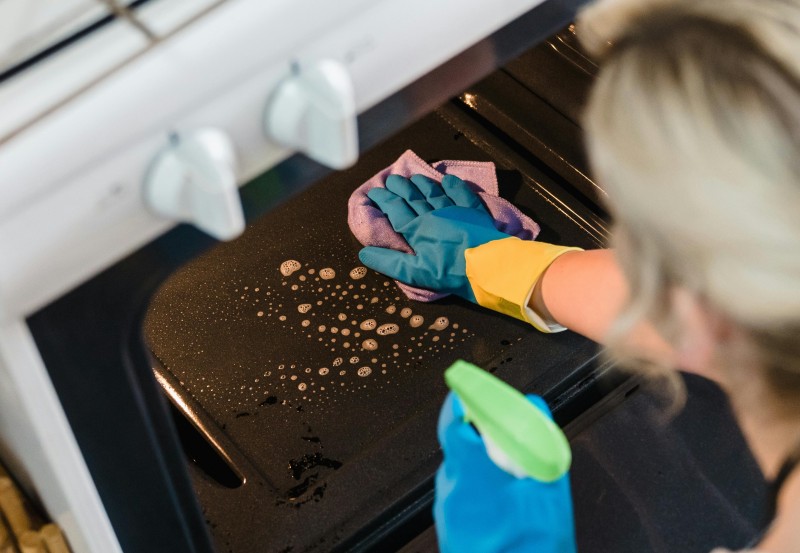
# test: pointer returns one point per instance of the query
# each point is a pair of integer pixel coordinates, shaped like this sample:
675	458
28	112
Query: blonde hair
693	127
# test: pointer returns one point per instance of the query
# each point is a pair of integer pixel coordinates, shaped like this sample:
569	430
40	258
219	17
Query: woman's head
693	128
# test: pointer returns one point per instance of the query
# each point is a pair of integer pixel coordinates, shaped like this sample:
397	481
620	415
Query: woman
693	128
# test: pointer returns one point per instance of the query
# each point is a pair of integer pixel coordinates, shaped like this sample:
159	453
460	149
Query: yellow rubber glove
503	275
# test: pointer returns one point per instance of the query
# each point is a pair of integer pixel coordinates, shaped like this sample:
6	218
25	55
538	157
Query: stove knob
193	180
314	111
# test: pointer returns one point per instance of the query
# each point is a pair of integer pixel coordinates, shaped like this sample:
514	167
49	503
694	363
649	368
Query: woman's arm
585	291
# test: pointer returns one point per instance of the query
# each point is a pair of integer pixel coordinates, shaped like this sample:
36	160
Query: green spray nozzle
530	443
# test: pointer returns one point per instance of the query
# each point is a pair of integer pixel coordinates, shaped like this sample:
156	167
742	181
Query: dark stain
242	414
319	492
298	496
298	490
505	343
309	461
271	400
312	439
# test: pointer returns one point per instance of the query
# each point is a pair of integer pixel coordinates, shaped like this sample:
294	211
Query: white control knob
314	111
194	180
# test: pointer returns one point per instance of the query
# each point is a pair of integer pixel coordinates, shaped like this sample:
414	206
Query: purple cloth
371	227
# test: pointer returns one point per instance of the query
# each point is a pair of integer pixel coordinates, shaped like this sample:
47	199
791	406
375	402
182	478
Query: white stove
117	121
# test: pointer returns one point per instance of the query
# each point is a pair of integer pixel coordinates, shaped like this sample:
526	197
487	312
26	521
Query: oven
167	391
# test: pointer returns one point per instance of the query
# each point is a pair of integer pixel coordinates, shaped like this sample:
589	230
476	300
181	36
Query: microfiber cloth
371	227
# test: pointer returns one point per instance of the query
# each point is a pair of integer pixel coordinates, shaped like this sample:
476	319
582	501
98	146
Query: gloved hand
479	508
457	248
439	222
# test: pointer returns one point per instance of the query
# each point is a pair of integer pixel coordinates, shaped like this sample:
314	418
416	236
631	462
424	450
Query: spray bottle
519	438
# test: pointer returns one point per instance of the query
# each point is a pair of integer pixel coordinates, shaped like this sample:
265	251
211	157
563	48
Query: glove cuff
503	274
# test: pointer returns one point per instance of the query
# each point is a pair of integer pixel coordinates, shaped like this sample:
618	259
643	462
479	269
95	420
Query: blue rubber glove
439	222
479	508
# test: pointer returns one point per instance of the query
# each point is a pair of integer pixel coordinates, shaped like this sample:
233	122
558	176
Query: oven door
263	431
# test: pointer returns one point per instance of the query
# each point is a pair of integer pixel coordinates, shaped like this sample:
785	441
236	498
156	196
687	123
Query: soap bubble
302	386
338	361
305	322
358	273
354	360
304	307
391	309
323	371
369	344
364	371
327	273
405	312
416	321
440	324
290	266
389	328
369	324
